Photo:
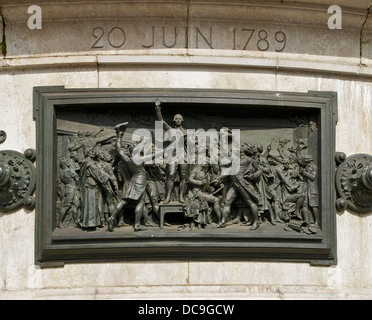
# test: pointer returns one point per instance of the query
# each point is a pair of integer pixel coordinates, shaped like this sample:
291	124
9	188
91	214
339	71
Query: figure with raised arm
136	187
173	168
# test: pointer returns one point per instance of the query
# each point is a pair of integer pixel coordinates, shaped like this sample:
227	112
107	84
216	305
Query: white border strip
194	57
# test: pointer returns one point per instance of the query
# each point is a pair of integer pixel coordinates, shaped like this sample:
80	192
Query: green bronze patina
76	140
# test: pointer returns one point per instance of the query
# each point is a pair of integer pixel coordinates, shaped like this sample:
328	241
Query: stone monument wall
244	45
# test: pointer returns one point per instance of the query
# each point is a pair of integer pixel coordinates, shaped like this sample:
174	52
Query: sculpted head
178	120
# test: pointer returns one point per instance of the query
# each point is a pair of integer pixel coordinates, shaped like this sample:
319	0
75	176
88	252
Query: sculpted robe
93	202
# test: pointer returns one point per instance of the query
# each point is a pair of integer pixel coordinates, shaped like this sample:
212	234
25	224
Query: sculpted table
174	207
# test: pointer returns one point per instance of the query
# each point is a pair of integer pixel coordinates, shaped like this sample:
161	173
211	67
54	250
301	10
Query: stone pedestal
278	46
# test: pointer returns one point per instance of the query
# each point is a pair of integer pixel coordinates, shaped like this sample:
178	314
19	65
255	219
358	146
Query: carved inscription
264	41
196	37
115	38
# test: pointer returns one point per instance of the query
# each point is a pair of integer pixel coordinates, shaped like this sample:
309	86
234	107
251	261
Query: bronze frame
319	249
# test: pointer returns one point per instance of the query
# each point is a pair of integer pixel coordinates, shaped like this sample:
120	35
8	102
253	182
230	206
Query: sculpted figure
297	159
283	158
89	140
76	163
153	192
311	174
136	186
173	168
93	179
264	204
276	187
244	185
294	195
199	182
70	201
109	188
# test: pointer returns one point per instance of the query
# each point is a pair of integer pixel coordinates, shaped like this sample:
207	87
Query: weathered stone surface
254	26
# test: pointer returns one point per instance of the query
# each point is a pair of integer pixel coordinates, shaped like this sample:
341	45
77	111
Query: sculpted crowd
95	189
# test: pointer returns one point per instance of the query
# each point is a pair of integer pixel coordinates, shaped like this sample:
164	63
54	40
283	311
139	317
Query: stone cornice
68	38
217	59
296	13
361	4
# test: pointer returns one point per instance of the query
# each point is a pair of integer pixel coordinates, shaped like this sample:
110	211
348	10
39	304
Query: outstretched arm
159	115
118	147
120	130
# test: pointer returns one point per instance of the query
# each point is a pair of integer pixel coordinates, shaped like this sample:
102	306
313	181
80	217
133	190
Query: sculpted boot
256	222
110	224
